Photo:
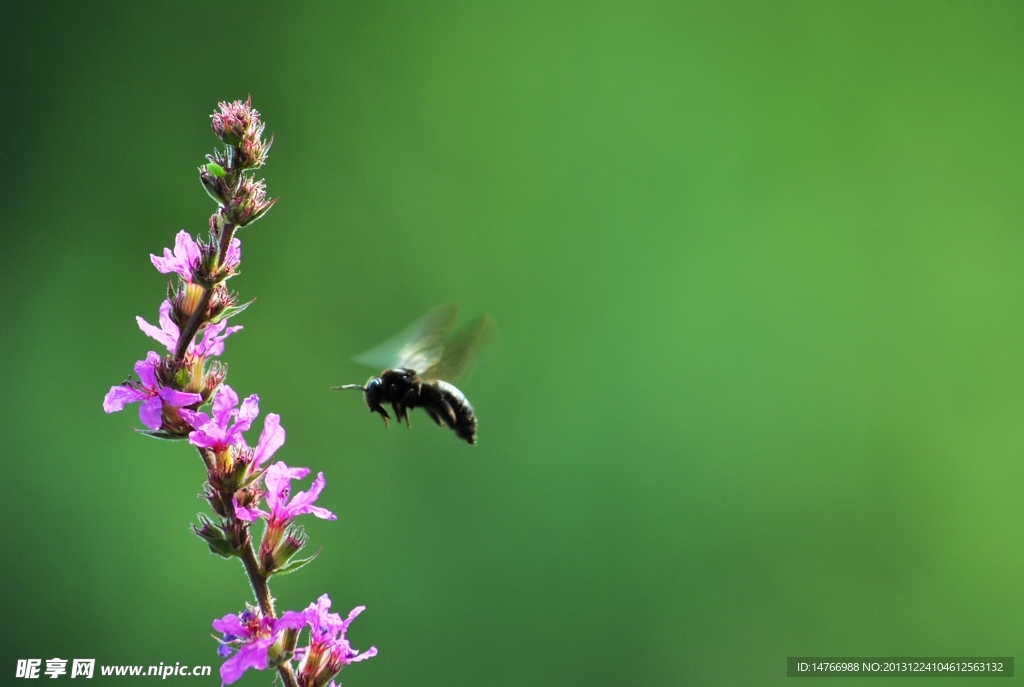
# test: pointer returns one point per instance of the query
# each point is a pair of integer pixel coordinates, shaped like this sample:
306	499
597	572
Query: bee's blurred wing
462	348
419	346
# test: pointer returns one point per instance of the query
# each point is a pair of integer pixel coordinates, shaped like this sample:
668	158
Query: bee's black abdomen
461	419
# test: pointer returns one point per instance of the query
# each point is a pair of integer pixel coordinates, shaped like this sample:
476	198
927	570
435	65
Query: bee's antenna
348	386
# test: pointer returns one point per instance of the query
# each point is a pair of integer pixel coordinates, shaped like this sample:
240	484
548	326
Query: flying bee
420	363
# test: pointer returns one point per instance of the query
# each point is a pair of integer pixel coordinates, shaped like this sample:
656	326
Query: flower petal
353	614
209	341
252	655
194	418
302	503
234	253
177	399
207	436
316	613
369	653
186	250
230	624
249	411
119	396
319	512
294	620
278	482
169	340
146	370
151	413
271	439
166	323
213	339
246	514
182	260
224	405
280	473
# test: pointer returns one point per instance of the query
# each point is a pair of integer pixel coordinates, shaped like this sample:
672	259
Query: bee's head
374	391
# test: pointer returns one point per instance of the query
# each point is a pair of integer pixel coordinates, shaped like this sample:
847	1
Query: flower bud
293	541
234	121
219	500
174	426
214	537
220	300
215	374
184	302
248	497
236	533
217	223
311	669
272	536
249	204
283	649
216	186
253	151
231	478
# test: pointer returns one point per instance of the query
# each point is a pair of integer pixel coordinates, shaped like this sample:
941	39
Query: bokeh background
758	270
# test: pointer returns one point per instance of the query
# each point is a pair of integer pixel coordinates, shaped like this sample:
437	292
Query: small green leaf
215	169
214	537
222	549
251	478
292	566
159	434
231	312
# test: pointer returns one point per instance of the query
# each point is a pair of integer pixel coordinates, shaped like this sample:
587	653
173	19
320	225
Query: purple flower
329	651
251	635
219	432
149	392
211	344
225	428
187	254
183	260
167	333
277	479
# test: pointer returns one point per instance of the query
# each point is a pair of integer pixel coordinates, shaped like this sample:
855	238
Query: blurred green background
758	273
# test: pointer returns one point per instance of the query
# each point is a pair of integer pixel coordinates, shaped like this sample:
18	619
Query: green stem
257	580
198	317
263	596
226	234
192	327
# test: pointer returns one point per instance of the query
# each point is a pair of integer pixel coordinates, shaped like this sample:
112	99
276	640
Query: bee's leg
401	412
433	415
446	412
383	413
407	404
